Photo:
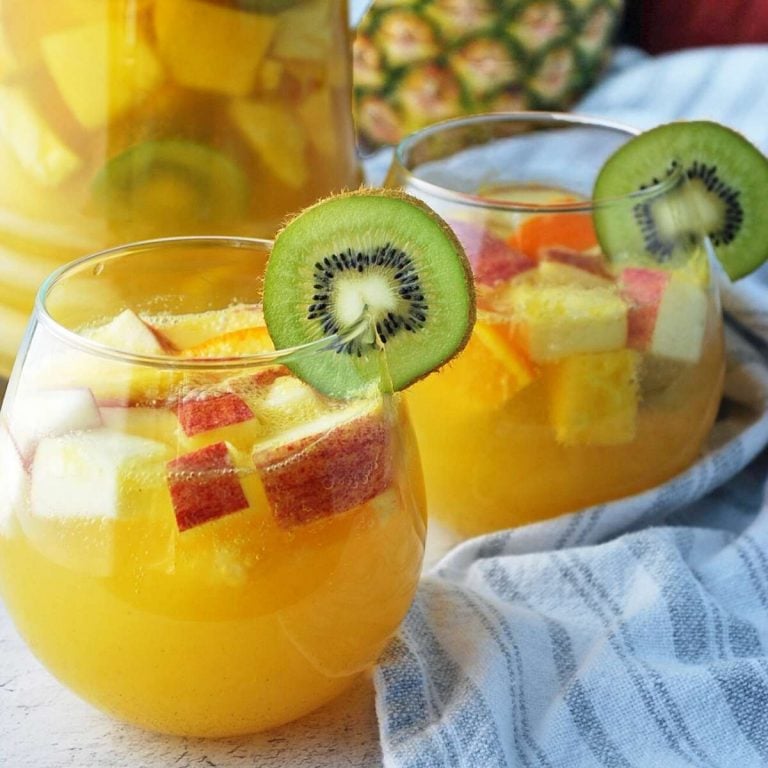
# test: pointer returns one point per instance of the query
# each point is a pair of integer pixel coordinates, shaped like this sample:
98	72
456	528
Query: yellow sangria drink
191	538
590	374
125	119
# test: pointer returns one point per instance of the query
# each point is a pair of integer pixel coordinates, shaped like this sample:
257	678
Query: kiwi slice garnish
377	259
721	189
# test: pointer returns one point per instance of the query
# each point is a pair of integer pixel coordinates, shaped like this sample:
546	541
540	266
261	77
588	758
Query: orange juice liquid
125	119
230	626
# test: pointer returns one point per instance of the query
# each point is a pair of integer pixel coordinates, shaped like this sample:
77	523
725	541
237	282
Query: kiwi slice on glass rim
722	194
377	260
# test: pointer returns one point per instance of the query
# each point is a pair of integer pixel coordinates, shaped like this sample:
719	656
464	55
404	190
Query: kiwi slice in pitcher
171	180
721	189
379	261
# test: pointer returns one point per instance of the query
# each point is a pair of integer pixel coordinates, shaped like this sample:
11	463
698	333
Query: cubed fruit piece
567	230
13	481
159	424
493	260
100	474
276	137
327	466
127	332
558	321
50	413
100	71
316	114
205	485
210	47
497	367
667	313
99	498
563	266
245	341
304	33
195	328
38	149
594	398
285	403
213	417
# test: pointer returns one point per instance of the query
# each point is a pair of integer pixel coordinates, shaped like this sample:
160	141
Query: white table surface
43	725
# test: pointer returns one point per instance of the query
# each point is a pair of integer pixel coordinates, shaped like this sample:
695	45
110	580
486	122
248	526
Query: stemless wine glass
595	368
191	538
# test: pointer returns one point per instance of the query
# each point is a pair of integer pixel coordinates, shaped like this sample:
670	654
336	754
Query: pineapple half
420	61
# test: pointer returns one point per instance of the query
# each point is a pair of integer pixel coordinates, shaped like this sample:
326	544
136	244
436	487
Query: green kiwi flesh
718	185
171	179
378	254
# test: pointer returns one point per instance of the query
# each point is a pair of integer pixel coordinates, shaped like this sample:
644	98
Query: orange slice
244	341
569	230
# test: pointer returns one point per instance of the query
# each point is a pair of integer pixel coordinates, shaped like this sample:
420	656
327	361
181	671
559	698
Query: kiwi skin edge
461	271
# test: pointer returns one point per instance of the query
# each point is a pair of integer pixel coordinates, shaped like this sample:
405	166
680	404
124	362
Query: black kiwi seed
378	254
687	180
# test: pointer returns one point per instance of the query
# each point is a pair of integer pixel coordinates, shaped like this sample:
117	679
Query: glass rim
566	119
261	359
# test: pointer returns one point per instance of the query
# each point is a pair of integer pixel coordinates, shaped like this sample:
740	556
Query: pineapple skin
419	61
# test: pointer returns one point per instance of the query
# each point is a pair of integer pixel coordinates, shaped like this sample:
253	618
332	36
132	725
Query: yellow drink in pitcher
125	119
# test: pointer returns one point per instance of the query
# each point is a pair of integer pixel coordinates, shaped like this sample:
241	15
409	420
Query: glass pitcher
126	119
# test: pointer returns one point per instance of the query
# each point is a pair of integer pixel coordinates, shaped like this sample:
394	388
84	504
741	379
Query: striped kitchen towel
632	634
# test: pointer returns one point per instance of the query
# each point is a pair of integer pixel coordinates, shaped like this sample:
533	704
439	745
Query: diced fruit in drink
285	403
51	413
13	480
37	147
667	313
275	136
327	466
246	341
97	498
557	321
594	398
215	417
128	333
567	230
300	34
195	328
553	272
95	475
159	424
100	71
205	485
315	113
563	266
493	260
510	369
203	44
171	180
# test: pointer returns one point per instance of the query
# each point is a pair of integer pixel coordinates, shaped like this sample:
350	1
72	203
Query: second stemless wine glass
595	368
191	538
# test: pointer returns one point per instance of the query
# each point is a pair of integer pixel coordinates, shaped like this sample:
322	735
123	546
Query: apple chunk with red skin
332	464
202	414
667	313
205	485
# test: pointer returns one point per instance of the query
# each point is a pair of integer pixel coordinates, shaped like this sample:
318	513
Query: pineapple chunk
100	71
558	321
594	398
276	137
210	47
39	151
